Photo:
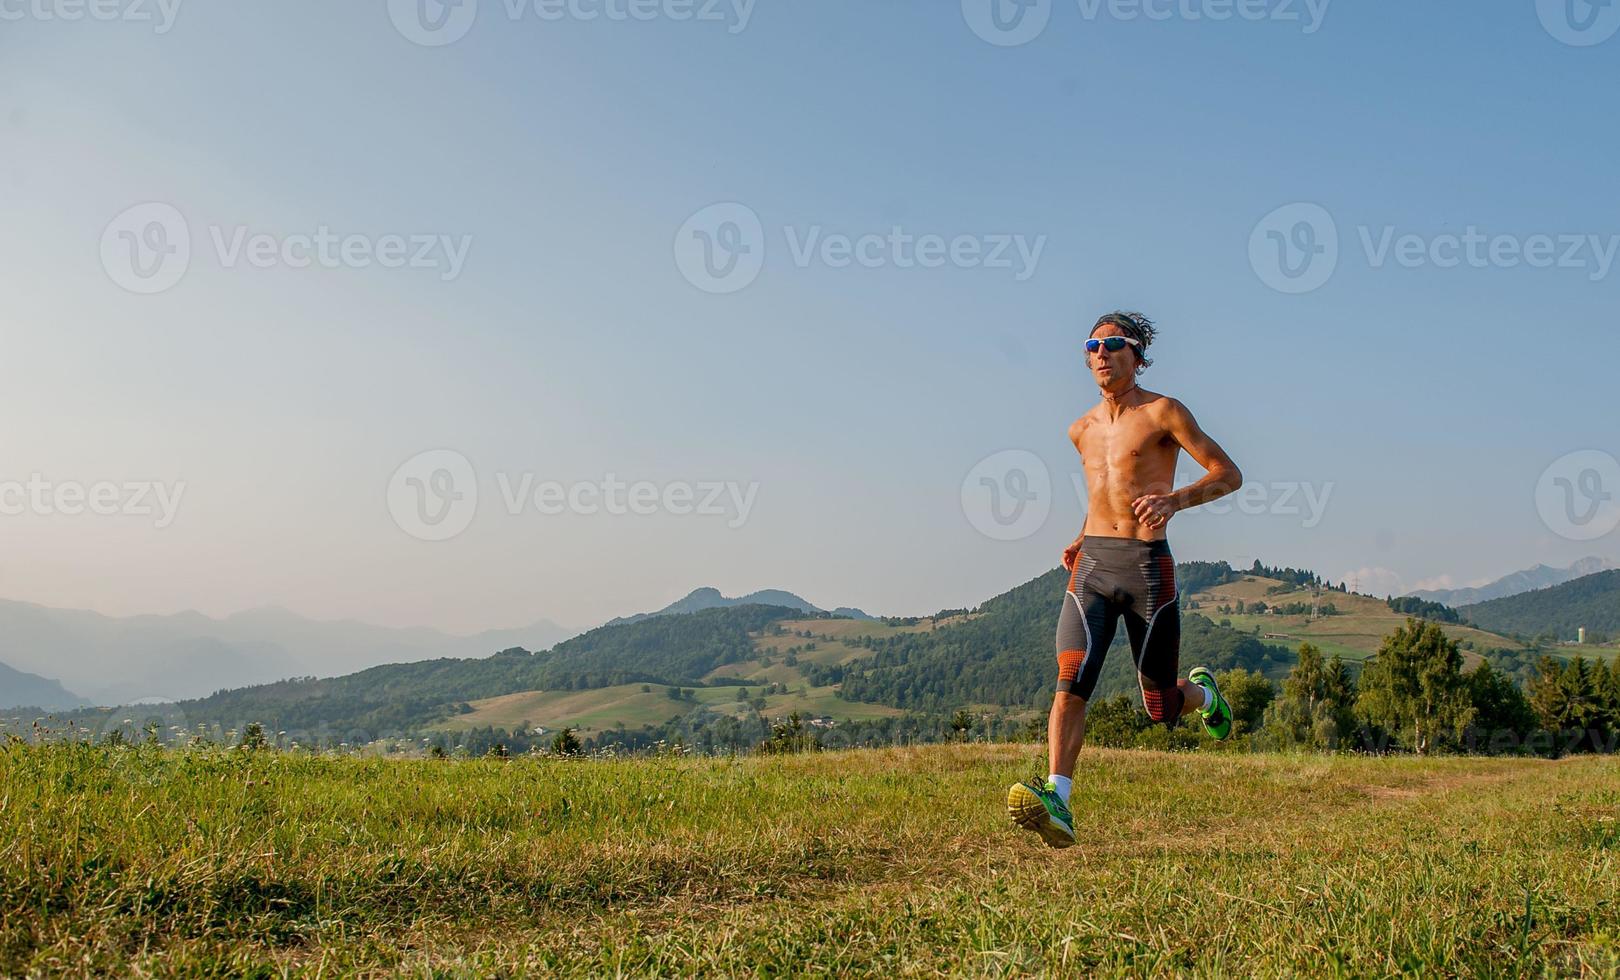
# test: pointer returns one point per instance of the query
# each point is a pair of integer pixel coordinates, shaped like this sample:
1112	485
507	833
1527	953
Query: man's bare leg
1065	732
1192	695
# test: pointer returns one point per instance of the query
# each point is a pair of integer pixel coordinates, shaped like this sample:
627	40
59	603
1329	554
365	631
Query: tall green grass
137	860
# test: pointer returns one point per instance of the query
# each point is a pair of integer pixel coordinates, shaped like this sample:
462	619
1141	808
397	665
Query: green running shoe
1218	716
1033	806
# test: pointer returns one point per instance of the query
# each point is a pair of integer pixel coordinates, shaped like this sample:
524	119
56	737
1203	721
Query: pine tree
565	743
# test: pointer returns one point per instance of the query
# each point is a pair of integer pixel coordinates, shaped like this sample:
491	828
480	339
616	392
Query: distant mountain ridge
19	689
710	598
1558	611
1524	580
116	660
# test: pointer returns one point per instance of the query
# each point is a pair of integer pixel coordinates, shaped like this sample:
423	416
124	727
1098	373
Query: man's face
1109	368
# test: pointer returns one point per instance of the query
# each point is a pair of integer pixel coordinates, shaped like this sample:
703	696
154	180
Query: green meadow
136	860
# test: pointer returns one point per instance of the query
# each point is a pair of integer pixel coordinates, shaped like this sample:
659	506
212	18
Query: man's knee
1066	704
1163	705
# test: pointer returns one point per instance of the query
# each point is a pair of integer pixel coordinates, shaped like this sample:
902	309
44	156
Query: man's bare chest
1125	442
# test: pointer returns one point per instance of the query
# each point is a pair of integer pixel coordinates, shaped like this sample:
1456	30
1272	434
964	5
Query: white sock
1063	784
1209	699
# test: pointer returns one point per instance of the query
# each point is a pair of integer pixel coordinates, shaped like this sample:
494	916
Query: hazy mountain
112	660
1592	601
19	689
708	598
1539	577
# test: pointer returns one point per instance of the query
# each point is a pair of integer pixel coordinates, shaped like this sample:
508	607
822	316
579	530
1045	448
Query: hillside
1592	601
20	689
1354	631
785	671
887	862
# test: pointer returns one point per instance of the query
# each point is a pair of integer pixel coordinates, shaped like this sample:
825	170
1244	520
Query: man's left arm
1221	475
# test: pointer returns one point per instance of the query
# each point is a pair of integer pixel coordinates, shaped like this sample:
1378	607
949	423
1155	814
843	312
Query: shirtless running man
1120	565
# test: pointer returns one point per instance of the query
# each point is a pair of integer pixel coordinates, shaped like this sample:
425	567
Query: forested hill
1004	653
1592	601
404	697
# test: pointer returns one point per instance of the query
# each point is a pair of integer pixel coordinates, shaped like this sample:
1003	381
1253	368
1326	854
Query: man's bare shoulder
1164	406
1077	428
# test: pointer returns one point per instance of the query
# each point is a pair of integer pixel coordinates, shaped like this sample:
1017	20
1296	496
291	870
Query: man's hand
1154	510
1070	554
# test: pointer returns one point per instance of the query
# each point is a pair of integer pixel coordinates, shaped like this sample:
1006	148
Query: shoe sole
1205	671
1027	811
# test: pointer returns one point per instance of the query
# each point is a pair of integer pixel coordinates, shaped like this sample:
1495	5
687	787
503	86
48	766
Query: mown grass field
597	709
600	709
881	862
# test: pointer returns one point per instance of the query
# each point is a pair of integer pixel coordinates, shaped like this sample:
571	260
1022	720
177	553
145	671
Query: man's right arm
1075	429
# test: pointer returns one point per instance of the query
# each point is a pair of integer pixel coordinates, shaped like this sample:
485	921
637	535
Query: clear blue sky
570	346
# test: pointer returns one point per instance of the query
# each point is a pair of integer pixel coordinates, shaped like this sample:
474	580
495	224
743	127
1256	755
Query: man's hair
1137	327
